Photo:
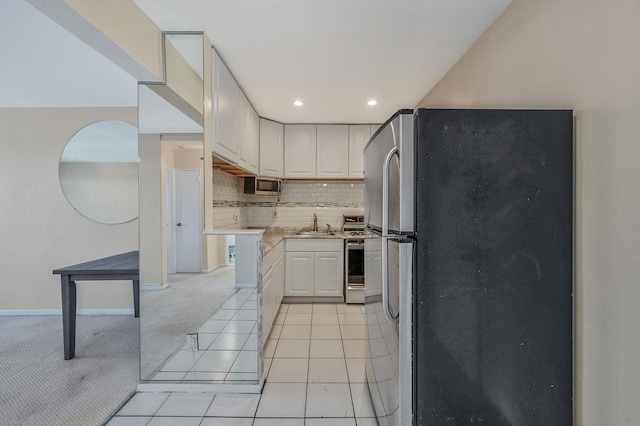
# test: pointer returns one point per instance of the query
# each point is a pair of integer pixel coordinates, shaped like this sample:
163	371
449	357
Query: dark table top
124	263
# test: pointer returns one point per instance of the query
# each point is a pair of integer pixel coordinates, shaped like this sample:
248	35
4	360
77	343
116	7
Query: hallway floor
315	362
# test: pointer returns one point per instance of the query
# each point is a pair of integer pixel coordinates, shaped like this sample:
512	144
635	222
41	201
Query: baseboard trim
245	285
313	299
153	287
42	312
213	268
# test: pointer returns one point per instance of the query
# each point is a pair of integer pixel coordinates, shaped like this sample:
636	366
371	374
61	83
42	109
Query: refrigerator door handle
385	282
385	190
385	235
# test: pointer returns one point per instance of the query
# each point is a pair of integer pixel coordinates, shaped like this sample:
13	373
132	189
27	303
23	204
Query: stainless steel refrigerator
469	267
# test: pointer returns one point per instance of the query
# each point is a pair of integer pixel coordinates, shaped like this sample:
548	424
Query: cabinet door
300	273
358	137
225	143
329	268
254	141
300	151
243	131
278	282
268	304
271	148
332	158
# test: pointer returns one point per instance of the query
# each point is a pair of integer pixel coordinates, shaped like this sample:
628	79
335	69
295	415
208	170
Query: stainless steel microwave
262	186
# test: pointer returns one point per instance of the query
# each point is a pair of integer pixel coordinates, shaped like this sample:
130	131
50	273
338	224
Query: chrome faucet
328	228
315	223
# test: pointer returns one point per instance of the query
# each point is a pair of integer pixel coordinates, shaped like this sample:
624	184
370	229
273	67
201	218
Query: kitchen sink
314	233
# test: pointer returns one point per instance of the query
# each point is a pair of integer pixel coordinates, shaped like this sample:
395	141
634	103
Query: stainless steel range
353	228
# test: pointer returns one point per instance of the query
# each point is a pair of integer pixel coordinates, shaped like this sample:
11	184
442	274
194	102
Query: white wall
106	192
152	201
39	230
580	54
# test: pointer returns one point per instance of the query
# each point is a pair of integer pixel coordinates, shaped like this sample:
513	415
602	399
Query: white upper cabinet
225	98
358	137
325	151
300	151
271	148
243	130
249	150
236	126
332	152
254	141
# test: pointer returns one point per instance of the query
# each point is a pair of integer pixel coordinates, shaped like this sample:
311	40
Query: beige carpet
38	387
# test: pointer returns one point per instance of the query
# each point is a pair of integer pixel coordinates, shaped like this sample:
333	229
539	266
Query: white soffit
43	65
335	55
157	116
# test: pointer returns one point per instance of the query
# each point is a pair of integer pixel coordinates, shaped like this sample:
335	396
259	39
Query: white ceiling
334	55
44	65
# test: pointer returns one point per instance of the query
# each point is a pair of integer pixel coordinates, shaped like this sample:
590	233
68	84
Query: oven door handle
355	245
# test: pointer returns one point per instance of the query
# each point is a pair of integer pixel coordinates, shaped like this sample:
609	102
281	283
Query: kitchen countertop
272	236
234	231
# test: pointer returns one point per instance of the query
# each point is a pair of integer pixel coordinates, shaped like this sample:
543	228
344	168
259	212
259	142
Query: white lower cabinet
300	274
314	267
272	287
328	276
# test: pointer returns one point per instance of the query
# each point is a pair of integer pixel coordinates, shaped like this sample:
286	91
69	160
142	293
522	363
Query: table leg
68	316
136	298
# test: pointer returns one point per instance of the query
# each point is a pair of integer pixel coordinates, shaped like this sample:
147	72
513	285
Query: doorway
184	239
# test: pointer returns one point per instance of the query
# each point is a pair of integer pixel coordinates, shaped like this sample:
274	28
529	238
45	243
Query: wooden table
125	266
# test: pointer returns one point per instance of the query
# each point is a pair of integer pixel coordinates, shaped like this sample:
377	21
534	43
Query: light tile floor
227	346
315	363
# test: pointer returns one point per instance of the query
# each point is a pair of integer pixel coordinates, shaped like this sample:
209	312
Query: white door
187	221
170	225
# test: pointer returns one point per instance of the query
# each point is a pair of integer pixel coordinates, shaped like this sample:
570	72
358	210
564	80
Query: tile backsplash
294	208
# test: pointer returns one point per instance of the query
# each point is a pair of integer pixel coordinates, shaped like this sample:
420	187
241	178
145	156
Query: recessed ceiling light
372	102
298	103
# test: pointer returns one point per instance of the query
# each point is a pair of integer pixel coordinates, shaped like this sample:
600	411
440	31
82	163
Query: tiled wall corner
228	201
294	208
